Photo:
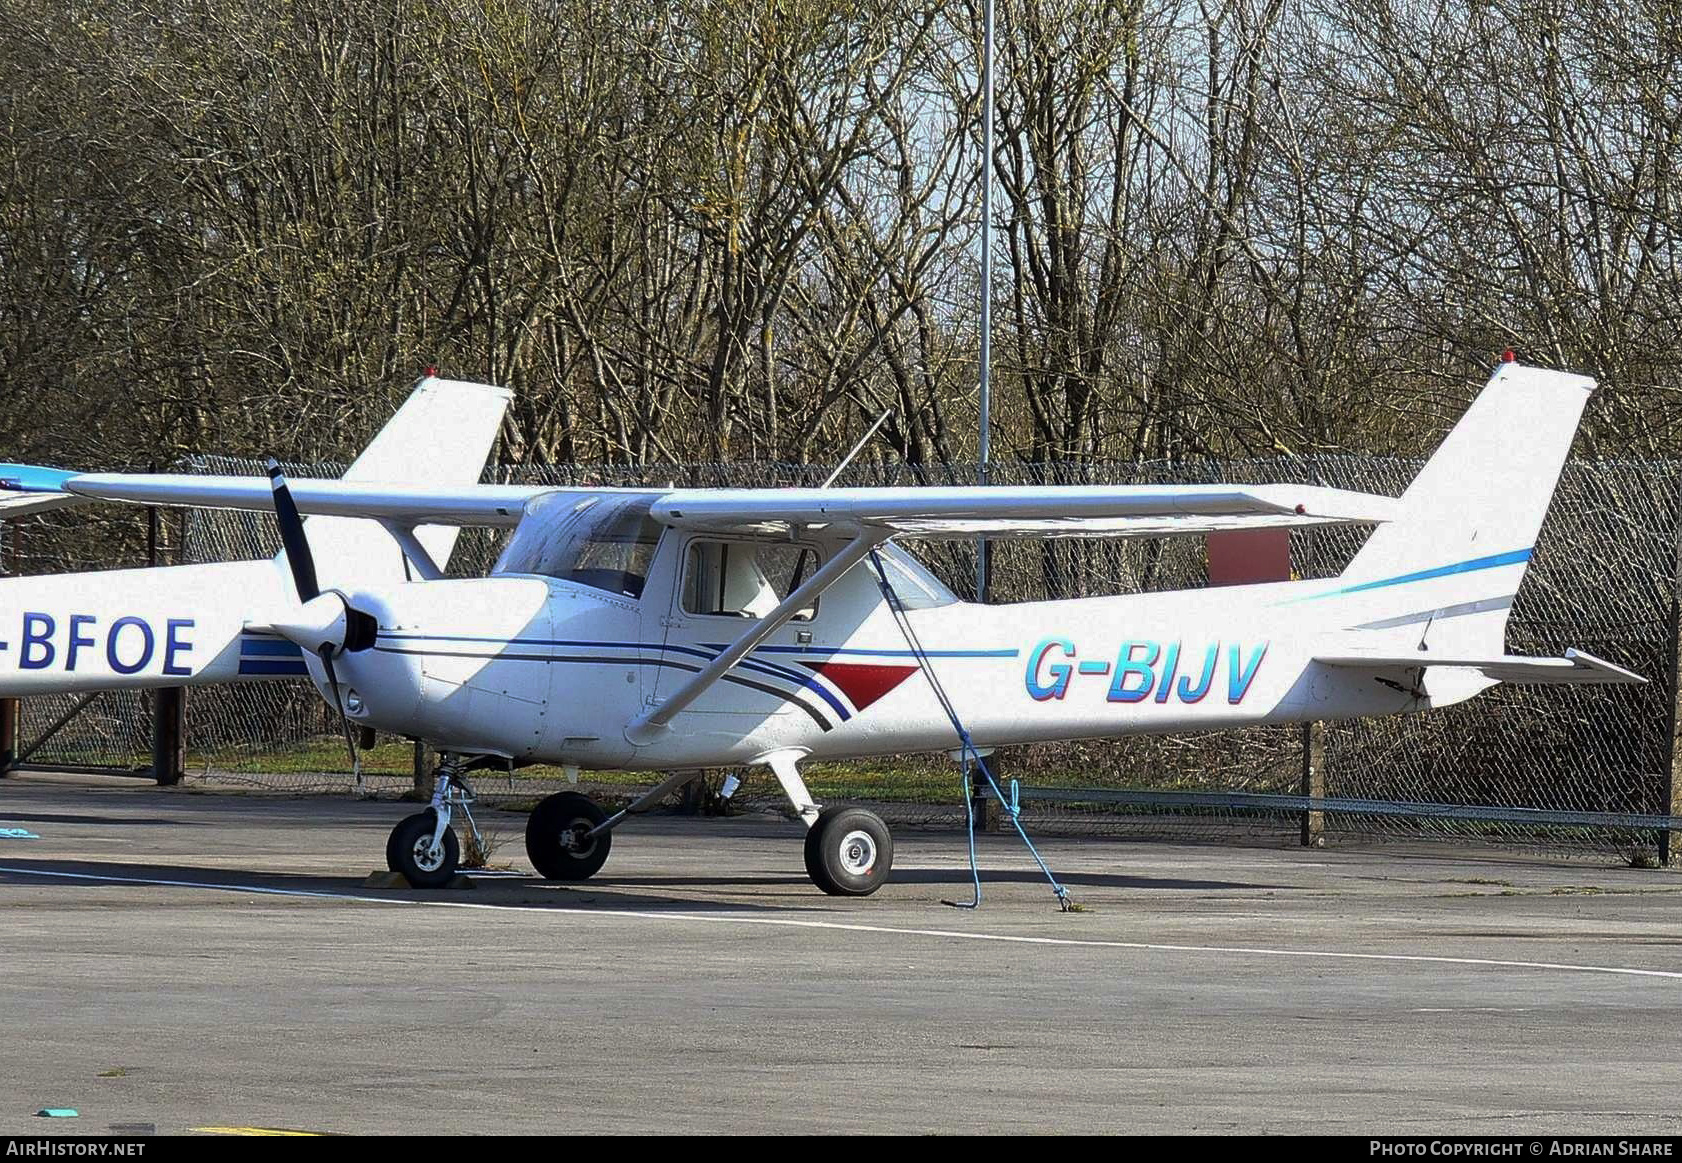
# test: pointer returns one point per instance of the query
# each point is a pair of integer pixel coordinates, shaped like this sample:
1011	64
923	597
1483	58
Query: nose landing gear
423	847
416	851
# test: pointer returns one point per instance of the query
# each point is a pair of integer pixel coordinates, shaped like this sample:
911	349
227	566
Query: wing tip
434	383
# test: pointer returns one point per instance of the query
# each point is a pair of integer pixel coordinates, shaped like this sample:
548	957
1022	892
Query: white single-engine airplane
679	629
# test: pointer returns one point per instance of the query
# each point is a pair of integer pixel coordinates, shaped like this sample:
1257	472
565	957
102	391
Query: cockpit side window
745	579
604	541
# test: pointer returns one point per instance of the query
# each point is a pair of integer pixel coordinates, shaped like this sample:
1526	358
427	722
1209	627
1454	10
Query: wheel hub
576	839
858	852
429	857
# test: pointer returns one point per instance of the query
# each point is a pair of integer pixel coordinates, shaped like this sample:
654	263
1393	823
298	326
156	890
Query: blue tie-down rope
969	755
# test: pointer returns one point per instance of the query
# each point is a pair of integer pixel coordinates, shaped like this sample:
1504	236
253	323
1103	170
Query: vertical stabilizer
441	436
1443	575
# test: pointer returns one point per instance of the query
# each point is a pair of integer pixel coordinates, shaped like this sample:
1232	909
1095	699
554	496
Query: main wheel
410	851
555	837
849	852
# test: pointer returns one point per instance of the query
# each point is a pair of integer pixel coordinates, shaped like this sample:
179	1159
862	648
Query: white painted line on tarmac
851	927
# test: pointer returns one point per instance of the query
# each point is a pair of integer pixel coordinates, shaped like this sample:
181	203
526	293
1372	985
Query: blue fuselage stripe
770	669
275	666
1515	557
819	652
268	648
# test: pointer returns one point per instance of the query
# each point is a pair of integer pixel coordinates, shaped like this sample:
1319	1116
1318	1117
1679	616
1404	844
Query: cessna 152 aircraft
678	629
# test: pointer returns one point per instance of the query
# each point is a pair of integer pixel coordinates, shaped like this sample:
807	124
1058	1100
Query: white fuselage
553	671
537	669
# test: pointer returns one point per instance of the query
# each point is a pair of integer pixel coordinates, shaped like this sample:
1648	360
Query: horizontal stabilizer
1575	668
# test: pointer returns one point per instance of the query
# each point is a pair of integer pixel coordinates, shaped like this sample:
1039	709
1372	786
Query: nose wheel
425	858
849	852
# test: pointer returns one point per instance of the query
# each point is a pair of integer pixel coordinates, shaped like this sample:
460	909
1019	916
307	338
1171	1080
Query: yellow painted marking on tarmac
250	1131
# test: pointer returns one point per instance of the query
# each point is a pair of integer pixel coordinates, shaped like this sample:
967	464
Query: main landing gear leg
849	851
423	847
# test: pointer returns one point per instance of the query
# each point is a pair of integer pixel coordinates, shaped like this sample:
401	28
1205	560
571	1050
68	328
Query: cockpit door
722	585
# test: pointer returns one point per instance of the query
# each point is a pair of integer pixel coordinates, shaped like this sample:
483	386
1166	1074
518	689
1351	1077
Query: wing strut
418	557
651	724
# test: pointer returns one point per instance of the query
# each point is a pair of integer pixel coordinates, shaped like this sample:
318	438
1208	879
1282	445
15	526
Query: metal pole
985	442
169	704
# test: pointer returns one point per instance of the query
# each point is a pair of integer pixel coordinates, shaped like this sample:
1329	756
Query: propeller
325	624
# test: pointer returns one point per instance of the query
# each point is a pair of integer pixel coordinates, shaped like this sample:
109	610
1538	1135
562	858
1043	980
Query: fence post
10	709
1672	786
169	705
169	735
989	813
422	774
8	735
1313	782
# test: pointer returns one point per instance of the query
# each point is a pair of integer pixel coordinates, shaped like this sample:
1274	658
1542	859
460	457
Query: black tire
407	852
849	852
551	832
391	840
814	862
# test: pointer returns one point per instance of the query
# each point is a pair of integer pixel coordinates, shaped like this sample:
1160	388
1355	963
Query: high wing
1023	510
1576	667
492	505
421	469
932	512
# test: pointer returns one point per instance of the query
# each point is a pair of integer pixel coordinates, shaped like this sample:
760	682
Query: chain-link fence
1604	579
103	731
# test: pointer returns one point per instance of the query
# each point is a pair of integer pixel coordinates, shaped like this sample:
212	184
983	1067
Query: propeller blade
353	629
326	654
292	535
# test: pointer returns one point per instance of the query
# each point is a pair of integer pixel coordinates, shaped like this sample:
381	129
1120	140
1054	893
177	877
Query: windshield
912	583
605	542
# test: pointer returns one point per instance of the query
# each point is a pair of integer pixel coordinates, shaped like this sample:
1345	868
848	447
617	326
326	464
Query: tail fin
440	436
1443	575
